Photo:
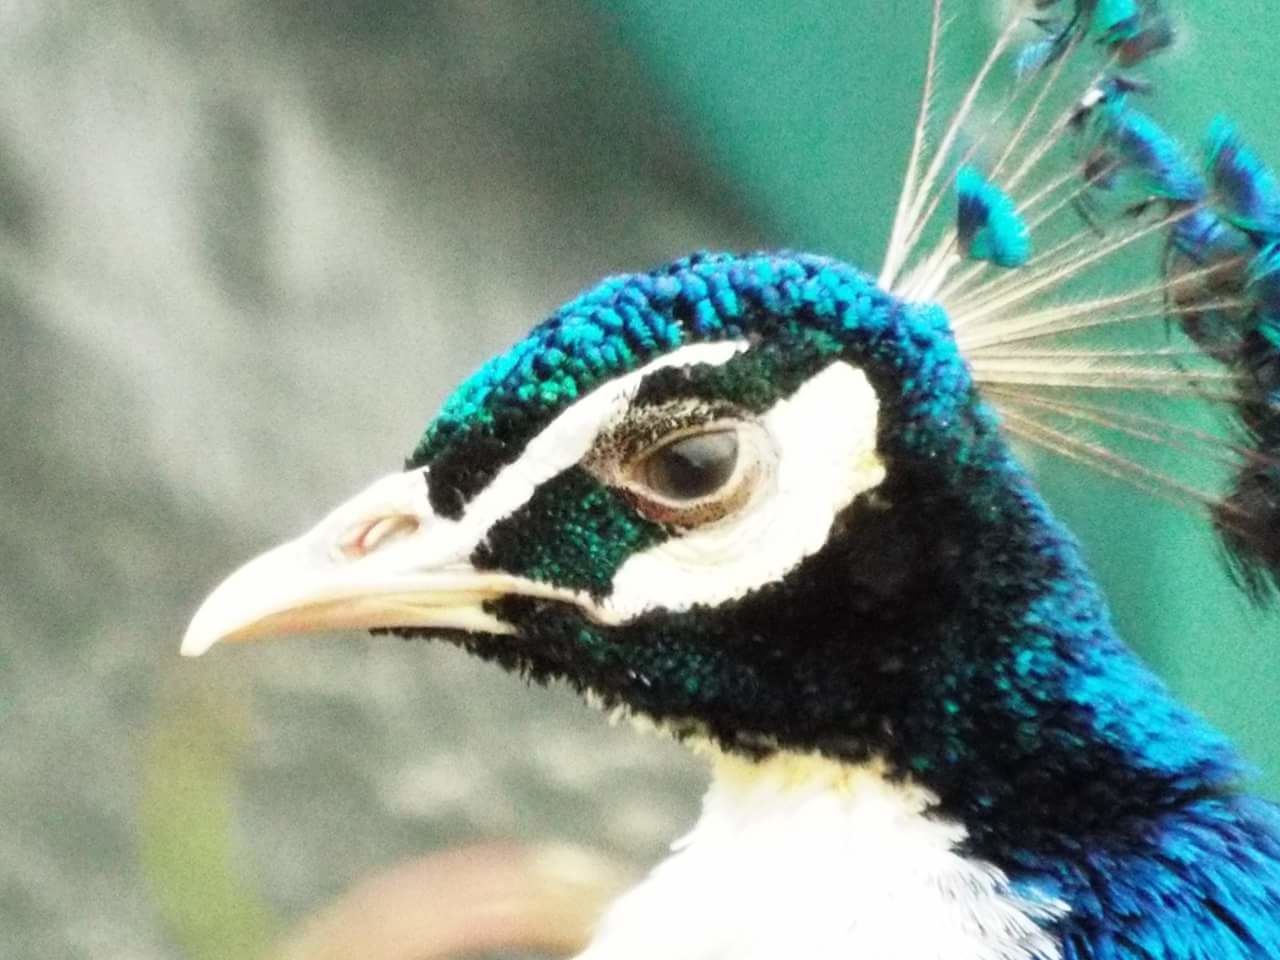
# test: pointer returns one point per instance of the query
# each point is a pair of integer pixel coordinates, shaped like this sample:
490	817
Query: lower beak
382	559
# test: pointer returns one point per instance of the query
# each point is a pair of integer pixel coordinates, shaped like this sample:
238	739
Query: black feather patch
1248	521
1206	272
1248	518
1228	300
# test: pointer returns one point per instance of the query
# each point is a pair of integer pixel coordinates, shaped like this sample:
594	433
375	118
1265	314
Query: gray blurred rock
245	248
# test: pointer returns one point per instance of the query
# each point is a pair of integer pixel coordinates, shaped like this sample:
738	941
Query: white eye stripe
819	471
816	473
567	440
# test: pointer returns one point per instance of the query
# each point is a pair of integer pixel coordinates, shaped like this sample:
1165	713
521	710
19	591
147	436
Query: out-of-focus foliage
244	250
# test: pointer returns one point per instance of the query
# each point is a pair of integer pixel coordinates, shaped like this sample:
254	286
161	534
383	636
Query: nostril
370	535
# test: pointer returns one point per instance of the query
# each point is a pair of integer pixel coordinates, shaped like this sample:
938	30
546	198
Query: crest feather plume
1089	216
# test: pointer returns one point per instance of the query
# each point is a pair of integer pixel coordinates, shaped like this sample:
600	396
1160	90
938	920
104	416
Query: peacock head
705	494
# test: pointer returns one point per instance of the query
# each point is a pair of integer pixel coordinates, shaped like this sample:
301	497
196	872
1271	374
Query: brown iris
692	467
692	478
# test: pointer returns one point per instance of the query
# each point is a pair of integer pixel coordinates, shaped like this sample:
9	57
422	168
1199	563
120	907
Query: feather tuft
988	225
1033	57
1155	35
1264	282
1145	156
1116	20
1133	30
1244	186
1248	523
1219	280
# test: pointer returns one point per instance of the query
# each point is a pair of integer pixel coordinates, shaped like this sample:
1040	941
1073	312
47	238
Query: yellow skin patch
786	772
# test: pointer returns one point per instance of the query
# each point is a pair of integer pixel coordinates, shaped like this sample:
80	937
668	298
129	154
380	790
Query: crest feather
988	225
1098	186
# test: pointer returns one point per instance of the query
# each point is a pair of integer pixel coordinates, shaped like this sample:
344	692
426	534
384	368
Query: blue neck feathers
1078	773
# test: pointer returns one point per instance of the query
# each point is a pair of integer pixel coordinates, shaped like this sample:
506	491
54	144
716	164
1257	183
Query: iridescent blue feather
1143	153
988	225
1244	186
1132	30
1116	20
1035	55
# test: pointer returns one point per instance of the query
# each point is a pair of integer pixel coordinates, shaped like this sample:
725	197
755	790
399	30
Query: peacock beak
382	559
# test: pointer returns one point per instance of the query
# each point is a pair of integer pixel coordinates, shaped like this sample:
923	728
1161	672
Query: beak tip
204	630
196	642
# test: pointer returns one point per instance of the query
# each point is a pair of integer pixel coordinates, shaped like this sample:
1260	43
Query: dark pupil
693	467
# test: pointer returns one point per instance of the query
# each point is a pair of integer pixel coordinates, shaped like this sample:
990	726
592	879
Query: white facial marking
813	471
824	439
566	440
800	857
385	558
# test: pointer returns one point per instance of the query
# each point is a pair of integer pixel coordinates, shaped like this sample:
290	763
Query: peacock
773	506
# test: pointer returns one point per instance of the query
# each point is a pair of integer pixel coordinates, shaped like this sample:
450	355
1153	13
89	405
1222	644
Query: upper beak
382	559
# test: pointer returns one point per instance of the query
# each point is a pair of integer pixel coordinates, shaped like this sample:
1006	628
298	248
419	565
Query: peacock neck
1040	725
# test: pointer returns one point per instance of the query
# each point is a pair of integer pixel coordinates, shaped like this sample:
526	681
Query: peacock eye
690	468
695	477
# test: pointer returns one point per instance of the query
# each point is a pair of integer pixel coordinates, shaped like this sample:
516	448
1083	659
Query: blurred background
247	247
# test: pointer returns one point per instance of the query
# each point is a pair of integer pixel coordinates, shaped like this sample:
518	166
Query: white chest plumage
803	859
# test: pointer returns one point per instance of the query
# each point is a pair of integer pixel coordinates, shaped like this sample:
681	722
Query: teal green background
245	250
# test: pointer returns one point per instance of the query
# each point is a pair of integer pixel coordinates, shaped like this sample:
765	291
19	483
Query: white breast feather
802	859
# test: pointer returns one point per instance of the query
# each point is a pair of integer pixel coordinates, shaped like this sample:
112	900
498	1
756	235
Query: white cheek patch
825	441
